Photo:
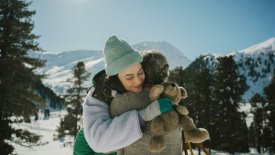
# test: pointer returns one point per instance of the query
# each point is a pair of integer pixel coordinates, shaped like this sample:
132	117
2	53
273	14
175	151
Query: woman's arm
105	134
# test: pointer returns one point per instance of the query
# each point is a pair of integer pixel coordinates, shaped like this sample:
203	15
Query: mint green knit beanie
119	55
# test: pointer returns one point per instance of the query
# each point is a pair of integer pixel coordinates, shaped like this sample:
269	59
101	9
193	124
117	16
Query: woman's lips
137	87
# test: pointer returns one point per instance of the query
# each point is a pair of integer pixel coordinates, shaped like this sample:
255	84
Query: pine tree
198	82
269	92
230	132
54	101
200	100
74	99
17	81
176	75
258	126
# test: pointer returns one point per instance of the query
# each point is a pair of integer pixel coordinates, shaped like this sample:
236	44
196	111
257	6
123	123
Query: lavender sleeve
105	134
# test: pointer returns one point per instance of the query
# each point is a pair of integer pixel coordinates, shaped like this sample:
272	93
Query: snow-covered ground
47	128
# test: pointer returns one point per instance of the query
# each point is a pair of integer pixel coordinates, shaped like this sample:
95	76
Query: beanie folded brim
123	63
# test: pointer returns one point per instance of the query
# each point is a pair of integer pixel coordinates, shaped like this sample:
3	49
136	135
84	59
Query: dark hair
155	67
114	83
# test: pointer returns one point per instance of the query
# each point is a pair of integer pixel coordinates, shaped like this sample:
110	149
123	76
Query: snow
256	59
47	128
54	69
268	45
246	108
90	64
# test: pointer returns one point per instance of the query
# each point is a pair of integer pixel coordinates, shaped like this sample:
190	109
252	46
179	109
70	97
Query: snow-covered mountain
256	63
174	56
58	66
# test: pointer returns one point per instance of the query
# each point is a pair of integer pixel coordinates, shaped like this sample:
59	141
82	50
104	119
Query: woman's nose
138	81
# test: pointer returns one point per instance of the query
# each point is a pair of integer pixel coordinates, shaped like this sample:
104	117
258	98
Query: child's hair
155	67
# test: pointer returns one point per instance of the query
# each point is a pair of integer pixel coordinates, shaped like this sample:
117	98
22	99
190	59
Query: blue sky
193	27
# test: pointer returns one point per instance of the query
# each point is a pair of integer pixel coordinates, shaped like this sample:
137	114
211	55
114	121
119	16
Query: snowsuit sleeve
105	134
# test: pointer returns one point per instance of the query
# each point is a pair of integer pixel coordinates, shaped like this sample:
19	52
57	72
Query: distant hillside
174	56
58	66
256	64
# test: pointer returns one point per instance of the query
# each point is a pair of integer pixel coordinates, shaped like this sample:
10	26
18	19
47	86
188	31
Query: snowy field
47	128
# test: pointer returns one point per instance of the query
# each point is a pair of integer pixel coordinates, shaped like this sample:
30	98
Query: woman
102	133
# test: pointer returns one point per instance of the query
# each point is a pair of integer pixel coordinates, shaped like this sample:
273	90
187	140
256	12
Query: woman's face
132	78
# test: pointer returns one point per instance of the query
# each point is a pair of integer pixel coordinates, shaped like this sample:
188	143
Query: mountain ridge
269	44
255	62
58	66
